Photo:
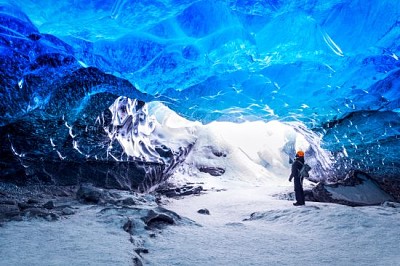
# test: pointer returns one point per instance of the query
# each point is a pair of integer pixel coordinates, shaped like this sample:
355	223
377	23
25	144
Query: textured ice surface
321	63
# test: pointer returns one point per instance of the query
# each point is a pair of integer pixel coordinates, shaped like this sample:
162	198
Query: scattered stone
391	204
8	202
49	205
137	262
32	201
141	250
51	217
214	171
219	153
235	224
154	219
128	201
128	226
89	194
204	211
8	211
23	206
67	211
36	212
181	191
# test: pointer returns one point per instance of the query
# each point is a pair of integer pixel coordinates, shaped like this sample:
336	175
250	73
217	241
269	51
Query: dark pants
298	190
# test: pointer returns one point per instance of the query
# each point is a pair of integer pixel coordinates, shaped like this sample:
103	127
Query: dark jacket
296	167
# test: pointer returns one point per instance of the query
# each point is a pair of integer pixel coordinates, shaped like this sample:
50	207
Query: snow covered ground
248	226
82	239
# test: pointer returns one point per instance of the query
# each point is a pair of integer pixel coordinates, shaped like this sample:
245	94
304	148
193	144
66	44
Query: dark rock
219	153
49	205
181	191
32	201
214	171
51	217
36	212
137	262
154	219
321	192
40	213
8	202
391	204
23	205
390	186
89	194
114	195
67	211
129	226
8	212
204	211
308	195
128	201
141	250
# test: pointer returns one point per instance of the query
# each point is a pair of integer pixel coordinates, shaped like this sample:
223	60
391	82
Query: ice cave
140	96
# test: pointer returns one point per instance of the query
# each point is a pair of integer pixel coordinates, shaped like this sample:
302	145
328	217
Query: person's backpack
304	170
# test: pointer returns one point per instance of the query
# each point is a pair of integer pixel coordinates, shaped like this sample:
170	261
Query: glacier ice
332	66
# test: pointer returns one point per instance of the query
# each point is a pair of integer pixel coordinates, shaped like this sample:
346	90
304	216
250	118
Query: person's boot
297	204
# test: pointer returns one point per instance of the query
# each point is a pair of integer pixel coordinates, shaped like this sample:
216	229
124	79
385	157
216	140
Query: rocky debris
180	191
40	213
155	219
67	211
49	205
129	226
90	194
214	171
308	195
34	202
137	261
390	186
137	214
9	211
141	251
357	189
391	204
204	211
128	201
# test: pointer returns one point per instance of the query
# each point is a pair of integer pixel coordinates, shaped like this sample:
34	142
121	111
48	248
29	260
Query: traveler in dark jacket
298	180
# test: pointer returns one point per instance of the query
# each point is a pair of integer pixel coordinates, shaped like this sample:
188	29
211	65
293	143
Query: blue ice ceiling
307	60
333	65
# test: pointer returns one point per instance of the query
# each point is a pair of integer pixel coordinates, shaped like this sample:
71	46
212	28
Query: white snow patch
278	233
79	240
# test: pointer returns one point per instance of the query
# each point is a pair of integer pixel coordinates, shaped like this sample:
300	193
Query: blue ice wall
321	62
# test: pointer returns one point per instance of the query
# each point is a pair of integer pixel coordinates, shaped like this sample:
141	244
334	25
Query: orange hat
300	154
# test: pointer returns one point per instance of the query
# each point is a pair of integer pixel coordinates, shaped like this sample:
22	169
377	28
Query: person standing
298	180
